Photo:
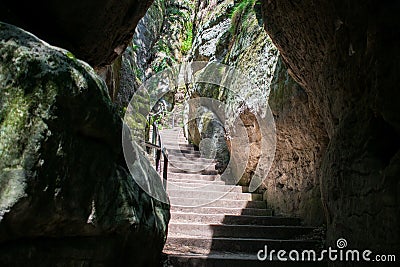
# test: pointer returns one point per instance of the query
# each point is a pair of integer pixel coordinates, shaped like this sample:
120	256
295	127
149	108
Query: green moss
188	39
135	47
282	87
166	60
240	12
70	55
176	13
14	121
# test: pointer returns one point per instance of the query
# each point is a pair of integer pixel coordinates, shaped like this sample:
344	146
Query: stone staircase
216	224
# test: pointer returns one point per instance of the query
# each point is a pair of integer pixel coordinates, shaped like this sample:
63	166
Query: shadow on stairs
216	225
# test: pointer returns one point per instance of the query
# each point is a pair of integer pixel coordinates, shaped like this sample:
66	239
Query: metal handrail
160	150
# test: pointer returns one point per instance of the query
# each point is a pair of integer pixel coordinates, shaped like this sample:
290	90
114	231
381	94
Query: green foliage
240	12
167	60
162	64
121	111
188	41
135	47
162	46
138	72
162	120
190	3
175	12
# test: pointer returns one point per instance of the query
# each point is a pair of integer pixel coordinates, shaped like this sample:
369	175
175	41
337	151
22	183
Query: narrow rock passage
217	224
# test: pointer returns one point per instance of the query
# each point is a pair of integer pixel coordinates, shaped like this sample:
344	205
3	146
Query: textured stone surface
211	23
235	37
125	75
156	45
66	198
94	31
345	56
251	51
293	186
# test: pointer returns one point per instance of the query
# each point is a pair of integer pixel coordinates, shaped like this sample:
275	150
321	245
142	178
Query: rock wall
251	51
156	45
233	36
66	198
210	24
125	75
293	186
345	57
94	31
232	32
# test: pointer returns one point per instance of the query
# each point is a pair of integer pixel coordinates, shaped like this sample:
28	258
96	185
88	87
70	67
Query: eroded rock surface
234	36
94	31
158	43
293	184
345	56
66	197
233	33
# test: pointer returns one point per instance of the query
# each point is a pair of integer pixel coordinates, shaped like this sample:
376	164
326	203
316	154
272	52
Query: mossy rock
63	185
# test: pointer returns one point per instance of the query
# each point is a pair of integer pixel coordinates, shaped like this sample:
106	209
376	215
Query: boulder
66	197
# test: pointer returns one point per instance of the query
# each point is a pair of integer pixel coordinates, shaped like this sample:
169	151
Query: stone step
189	160
208	171
190	157
201	185
198	164
224	225
172	134
238	231
181	150
194	167
222	211
169	133
186	152
244	245
199	178
213	217
232	260
194	176
205	179
224	203
201	193
173	138
177	145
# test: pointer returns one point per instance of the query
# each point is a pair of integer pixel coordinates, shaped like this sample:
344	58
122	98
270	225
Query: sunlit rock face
233	33
156	45
345	57
233	36
66	197
94	31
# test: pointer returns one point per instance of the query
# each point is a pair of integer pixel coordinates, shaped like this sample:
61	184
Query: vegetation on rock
60	168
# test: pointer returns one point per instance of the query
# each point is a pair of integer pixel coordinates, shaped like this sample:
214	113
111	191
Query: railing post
158	158
165	171
154	137
159	151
